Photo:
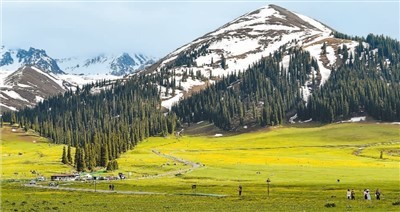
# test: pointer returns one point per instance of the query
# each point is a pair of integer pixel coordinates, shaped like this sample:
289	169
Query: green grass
23	152
302	163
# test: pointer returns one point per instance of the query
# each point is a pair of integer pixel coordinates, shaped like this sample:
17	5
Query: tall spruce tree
69	156
64	158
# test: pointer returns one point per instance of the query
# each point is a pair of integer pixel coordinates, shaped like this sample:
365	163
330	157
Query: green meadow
308	166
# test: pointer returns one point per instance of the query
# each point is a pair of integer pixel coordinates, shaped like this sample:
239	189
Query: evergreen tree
69	156
104	156
64	158
223	62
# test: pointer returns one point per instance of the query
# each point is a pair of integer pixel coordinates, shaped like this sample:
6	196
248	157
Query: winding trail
362	147
193	166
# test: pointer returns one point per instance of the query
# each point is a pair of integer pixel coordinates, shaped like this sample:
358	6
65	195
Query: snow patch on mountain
14	95
168	103
104	65
330	54
247	39
50	76
9	107
315	51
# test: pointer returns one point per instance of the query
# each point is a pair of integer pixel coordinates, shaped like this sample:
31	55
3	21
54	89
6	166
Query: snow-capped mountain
11	60
106	64
28	86
240	43
28	76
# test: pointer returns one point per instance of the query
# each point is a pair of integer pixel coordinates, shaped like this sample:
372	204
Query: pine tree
104	156
64	158
223	62
81	165
69	156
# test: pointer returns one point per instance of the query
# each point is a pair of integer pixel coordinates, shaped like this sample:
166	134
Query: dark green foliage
366	85
80	163
104	156
69	156
330	205
223	62
101	125
64	158
263	87
188	57
112	165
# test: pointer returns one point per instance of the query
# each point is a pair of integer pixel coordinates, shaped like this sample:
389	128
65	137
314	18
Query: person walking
378	194
240	190
348	194
365	194
353	194
368	195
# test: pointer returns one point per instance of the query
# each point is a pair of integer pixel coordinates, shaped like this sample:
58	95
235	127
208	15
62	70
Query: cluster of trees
188	57
66	156
265	92
366	83
100	123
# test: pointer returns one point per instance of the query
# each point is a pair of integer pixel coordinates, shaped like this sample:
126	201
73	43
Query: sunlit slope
22	153
348	152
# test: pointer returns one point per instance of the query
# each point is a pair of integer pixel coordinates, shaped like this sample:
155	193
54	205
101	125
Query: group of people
367	195
111	187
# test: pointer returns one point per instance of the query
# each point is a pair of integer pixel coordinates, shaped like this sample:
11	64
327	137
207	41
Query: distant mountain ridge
117	65
26	75
11	60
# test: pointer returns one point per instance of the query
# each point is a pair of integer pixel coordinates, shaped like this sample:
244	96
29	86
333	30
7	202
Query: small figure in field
378	194
353	194
240	190
368	195
109	187
365	194
348	194
112	187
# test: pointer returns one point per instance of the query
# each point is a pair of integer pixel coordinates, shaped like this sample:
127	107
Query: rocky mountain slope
28	86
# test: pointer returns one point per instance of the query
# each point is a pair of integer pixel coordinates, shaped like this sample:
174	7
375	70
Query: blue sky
85	28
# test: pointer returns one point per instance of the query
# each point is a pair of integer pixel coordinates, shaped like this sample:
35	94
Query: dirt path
193	166
92	190
361	148
118	192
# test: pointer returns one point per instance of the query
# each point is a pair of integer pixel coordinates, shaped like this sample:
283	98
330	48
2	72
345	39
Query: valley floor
308	168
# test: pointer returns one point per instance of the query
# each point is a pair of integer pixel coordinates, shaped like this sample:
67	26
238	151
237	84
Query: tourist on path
378	194
240	190
348	194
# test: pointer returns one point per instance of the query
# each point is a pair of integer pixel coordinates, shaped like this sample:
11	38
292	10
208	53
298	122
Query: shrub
330	205
396	203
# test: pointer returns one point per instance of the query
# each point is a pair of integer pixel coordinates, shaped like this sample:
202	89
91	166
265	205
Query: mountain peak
240	43
13	59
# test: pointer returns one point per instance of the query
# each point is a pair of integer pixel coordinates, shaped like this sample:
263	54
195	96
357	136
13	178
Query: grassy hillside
303	165
23	152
